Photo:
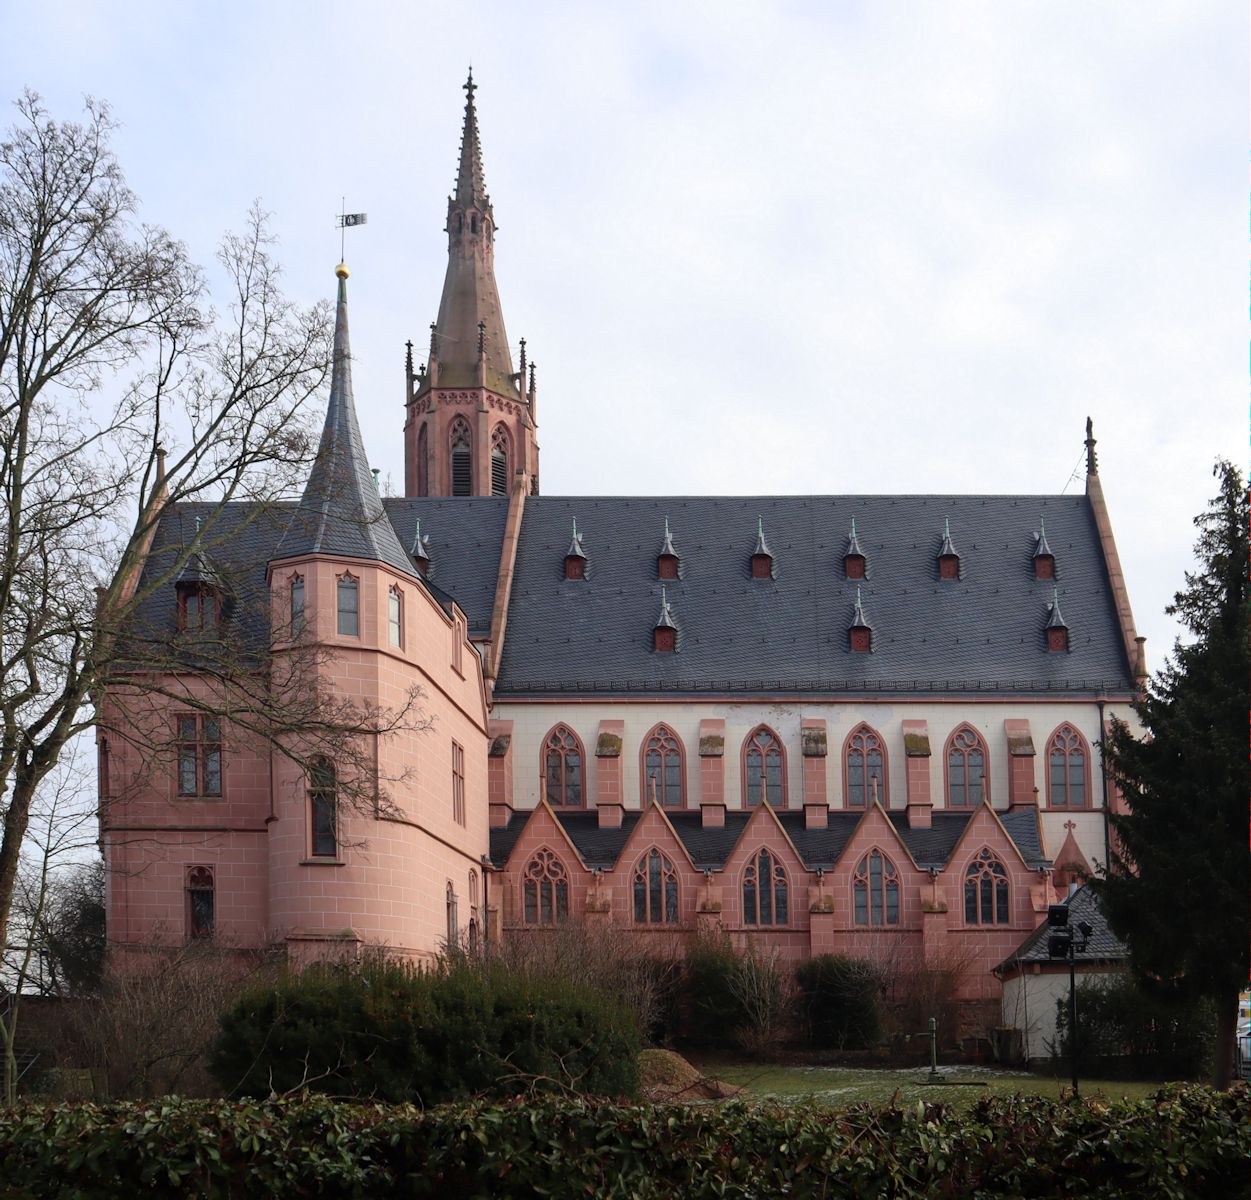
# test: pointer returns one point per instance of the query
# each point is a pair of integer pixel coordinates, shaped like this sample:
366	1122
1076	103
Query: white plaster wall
1029	1004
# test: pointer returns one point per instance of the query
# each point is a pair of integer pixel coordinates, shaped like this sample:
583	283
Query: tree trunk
1226	1040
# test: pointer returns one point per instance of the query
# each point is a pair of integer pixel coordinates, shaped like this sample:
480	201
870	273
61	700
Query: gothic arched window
765	895
348	604
562	768
986	891
764	768
322	803
501	453
423	461
201	894
545	890
655	890
662	766
453	918
475	918
461	442
875	890
864	765
966	769
1067	769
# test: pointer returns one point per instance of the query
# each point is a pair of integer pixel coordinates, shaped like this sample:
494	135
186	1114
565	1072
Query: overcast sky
805	247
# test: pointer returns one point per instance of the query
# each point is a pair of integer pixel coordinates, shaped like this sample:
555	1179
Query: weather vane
343	220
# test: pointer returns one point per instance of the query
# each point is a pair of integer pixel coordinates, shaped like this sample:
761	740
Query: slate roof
341	511
1103	945
787	635
710	846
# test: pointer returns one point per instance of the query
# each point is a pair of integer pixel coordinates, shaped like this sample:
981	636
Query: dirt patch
667	1077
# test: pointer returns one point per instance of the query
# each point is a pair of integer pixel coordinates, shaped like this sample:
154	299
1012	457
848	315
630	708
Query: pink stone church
850	723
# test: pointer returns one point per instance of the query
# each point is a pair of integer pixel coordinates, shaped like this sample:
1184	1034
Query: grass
841	1085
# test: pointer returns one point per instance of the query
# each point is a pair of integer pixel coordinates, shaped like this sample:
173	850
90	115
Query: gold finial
342	270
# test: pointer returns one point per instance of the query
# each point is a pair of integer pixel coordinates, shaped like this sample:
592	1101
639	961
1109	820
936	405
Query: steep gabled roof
1103	946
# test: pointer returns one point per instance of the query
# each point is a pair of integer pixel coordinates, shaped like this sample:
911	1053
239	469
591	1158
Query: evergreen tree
1179	889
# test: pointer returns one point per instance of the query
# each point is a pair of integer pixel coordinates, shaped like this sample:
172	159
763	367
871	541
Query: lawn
841	1085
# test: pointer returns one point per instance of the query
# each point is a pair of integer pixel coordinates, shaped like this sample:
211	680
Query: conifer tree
1179	888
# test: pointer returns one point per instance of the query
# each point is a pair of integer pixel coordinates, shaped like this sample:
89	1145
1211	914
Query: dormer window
575	556
667	560
199	606
948	558
665	633
853	559
762	556
1057	630
1044	560
860	633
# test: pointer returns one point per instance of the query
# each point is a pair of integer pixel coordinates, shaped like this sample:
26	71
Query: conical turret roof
341	511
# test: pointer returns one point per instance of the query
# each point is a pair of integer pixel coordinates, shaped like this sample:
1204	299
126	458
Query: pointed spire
1041	547
762	546
420	550
858	619
948	546
341	511
575	546
1092	459
665	620
853	543
470	184
575	556
1056	619
666	546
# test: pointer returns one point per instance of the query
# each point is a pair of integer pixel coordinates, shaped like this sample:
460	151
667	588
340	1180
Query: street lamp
1066	942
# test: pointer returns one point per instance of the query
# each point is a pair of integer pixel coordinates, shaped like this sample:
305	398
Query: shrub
1124	1032
388	1031
714	1006
839	1001
759	987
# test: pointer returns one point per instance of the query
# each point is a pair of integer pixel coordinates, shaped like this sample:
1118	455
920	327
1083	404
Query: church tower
470	418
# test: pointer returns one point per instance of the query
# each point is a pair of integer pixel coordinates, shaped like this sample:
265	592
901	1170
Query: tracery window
764	768
986	891
1067	761
199	755
322	804
864	765
966	769
562	768
655	890
500	455
765	894
461	442
201	895
875	890
545	890
662	768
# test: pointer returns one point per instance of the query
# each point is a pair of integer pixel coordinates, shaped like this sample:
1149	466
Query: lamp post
1066	942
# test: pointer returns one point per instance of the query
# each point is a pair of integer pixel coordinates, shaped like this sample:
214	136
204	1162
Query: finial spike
1092	459
946	527
853	529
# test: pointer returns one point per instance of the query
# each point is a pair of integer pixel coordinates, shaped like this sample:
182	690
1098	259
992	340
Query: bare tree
125	399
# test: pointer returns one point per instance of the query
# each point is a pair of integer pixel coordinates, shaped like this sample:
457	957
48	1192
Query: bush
715	1009
1124	1032
839	1001
1184	1143
385	1030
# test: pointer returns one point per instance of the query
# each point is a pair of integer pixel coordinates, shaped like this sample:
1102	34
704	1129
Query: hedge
1185	1142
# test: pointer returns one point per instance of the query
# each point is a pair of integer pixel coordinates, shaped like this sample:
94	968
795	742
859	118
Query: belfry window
201	896
655	890
499	461
986	892
545	890
562	768
765	893
1066	769
462	459
875	890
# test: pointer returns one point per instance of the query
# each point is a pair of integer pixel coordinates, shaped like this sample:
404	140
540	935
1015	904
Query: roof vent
762	556
667	561
665	633
1044	560
853	559
420	552
948	557
575	556
860	634
1057	630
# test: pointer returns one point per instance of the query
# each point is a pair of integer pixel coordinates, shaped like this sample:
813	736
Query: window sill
322	862
193	799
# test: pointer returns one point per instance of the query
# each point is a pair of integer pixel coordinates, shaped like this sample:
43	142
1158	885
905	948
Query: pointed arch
864	761
875	890
501	460
201	902
766	890
564	759
1068	769
423	460
545	889
764	768
986	894
654	886
460	457
663	757
966	768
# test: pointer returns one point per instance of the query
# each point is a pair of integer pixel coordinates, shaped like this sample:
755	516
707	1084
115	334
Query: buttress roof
341	511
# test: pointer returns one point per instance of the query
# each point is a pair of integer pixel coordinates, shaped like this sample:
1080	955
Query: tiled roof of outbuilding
1103	945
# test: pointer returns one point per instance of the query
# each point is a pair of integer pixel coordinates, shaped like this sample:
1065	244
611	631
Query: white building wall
1029	1004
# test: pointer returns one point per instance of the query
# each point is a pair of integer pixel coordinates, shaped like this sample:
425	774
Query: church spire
470	316
341	511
